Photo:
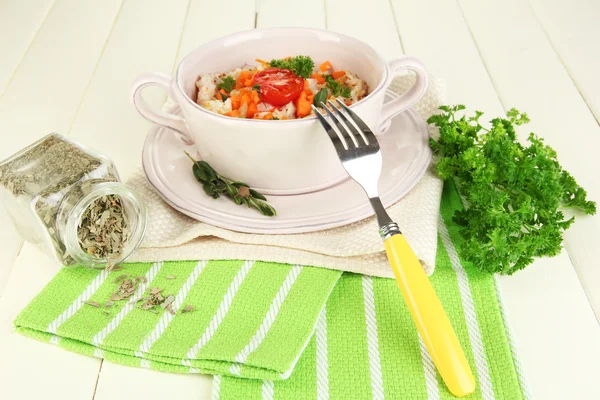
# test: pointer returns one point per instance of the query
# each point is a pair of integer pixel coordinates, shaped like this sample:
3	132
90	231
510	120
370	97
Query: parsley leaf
513	191
299	65
337	89
227	84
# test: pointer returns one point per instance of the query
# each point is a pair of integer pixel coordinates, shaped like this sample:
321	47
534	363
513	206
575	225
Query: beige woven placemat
356	247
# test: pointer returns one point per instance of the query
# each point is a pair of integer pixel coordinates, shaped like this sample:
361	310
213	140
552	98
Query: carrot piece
268	116
220	92
233	113
241	80
255	97
245	99
325	66
284	117
251	110
303	105
308	91
235	102
318	77
338	74
248	82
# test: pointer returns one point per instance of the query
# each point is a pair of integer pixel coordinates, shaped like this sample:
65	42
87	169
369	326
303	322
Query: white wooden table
67	65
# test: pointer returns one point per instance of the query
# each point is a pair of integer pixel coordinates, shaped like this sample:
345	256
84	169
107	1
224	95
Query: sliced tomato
278	86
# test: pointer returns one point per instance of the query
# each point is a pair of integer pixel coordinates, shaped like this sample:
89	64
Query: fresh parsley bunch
512	192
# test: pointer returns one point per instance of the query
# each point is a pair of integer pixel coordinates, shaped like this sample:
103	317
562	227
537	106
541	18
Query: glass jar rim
127	195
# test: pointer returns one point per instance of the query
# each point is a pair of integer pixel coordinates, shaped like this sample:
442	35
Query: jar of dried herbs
68	200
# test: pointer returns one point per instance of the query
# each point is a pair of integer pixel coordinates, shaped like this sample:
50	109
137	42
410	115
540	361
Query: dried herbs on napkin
512	192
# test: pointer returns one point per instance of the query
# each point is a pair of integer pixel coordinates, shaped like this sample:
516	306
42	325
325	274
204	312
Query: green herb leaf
256	87
321	97
262	207
512	191
214	185
227	84
257	195
299	65
202	170
239	184
337	89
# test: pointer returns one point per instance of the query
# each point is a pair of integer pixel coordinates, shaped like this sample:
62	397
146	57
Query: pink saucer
406	156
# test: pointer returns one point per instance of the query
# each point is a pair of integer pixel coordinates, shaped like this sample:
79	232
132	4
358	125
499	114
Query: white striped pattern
194	370
322	357
54	339
270	317
288	373
433	391
268	390
513	347
372	339
481	365
236	369
98	353
216	320
167	317
79	302
186	363
216	387
144	363
130	305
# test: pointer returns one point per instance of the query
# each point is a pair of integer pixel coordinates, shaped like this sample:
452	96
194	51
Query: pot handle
395	106
159	117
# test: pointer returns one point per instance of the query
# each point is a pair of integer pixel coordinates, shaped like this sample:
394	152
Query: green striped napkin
275	331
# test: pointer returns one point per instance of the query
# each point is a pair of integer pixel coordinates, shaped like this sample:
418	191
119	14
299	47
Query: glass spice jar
69	201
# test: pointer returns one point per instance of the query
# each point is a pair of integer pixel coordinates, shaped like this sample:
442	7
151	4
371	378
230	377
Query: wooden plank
199	29
145	38
19	24
11	245
542	320
382	35
572	27
32	369
529	75
47	88
557	336
275	13
435	32
117	382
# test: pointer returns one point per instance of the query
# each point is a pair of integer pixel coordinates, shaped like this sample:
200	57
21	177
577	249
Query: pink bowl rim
379	87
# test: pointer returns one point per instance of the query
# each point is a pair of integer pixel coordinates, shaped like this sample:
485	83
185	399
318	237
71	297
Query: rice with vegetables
277	90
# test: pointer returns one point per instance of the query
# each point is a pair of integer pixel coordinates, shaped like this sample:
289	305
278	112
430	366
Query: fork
359	152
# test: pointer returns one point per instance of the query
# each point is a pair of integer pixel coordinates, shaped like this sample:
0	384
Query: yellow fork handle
429	316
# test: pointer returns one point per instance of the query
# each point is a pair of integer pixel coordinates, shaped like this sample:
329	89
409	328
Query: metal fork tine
346	133
338	141
351	127
359	122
